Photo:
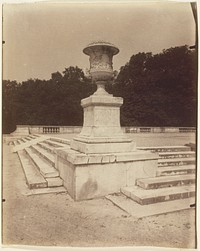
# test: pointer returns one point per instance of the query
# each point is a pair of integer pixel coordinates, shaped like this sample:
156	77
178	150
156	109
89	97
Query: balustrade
77	129
51	129
187	129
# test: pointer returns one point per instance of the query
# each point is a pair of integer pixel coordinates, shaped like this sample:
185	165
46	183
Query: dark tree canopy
158	90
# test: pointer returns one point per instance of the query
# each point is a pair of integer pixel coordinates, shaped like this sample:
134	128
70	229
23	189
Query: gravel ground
56	220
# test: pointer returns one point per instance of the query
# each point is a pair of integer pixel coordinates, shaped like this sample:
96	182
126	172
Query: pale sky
42	38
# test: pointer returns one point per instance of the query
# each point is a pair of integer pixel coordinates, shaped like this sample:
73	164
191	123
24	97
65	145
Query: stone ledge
102	148
78	158
96	100
122	138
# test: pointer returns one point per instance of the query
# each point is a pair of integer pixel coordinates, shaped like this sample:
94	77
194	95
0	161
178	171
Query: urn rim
113	48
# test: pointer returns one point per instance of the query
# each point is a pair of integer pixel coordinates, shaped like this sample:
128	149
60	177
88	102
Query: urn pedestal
102	159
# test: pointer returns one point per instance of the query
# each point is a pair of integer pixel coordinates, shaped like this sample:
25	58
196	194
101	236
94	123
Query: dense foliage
158	90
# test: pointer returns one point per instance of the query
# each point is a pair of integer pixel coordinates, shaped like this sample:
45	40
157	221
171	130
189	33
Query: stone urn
101	69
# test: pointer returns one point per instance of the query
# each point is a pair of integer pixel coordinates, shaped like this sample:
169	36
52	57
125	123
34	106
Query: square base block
102	145
88	176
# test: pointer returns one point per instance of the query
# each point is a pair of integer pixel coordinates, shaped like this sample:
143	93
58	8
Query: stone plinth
89	176
102	159
101	132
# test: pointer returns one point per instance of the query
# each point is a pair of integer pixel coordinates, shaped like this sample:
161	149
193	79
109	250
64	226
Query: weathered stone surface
176	161
29	143
44	154
176	170
54	182
45	169
165	148
102	173
106	147
136	155
67	173
182	154
101	54
47	190
101	116
139	211
33	177
145	197
165	181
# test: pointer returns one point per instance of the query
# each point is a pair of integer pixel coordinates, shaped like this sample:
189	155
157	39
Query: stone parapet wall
159	129
40	129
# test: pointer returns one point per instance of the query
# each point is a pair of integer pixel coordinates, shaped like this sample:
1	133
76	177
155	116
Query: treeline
158	90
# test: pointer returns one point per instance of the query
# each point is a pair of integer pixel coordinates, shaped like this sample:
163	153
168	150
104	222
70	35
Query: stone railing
54	129
30	129
51	129
159	129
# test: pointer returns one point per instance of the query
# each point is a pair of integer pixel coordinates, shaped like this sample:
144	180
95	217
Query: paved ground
57	220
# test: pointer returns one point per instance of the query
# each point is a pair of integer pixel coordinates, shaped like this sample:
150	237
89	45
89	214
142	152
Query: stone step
16	143
145	197
20	141
47	147
33	177
33	136
182	154
36	135
44	167
140	211
24	140
166	181
54	182
11	143
192	146
54	143
175	170
44	154
29	143
48	190
60	140
28	138
176	161
165	148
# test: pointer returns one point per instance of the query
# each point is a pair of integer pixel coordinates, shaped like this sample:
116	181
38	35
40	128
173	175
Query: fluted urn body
101	55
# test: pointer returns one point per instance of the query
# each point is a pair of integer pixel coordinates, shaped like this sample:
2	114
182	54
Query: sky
42	38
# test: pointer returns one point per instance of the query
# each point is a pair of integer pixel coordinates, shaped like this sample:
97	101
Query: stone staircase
37	156
175	178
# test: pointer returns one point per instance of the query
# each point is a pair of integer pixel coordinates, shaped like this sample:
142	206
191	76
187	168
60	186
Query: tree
57	77
73	74
9	93
159	90
46	102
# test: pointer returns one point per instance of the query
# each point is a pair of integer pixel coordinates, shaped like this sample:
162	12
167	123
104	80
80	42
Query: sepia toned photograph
99	124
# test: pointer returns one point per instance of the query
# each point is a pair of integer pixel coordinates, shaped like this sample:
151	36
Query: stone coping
78	158
85	139
107	100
